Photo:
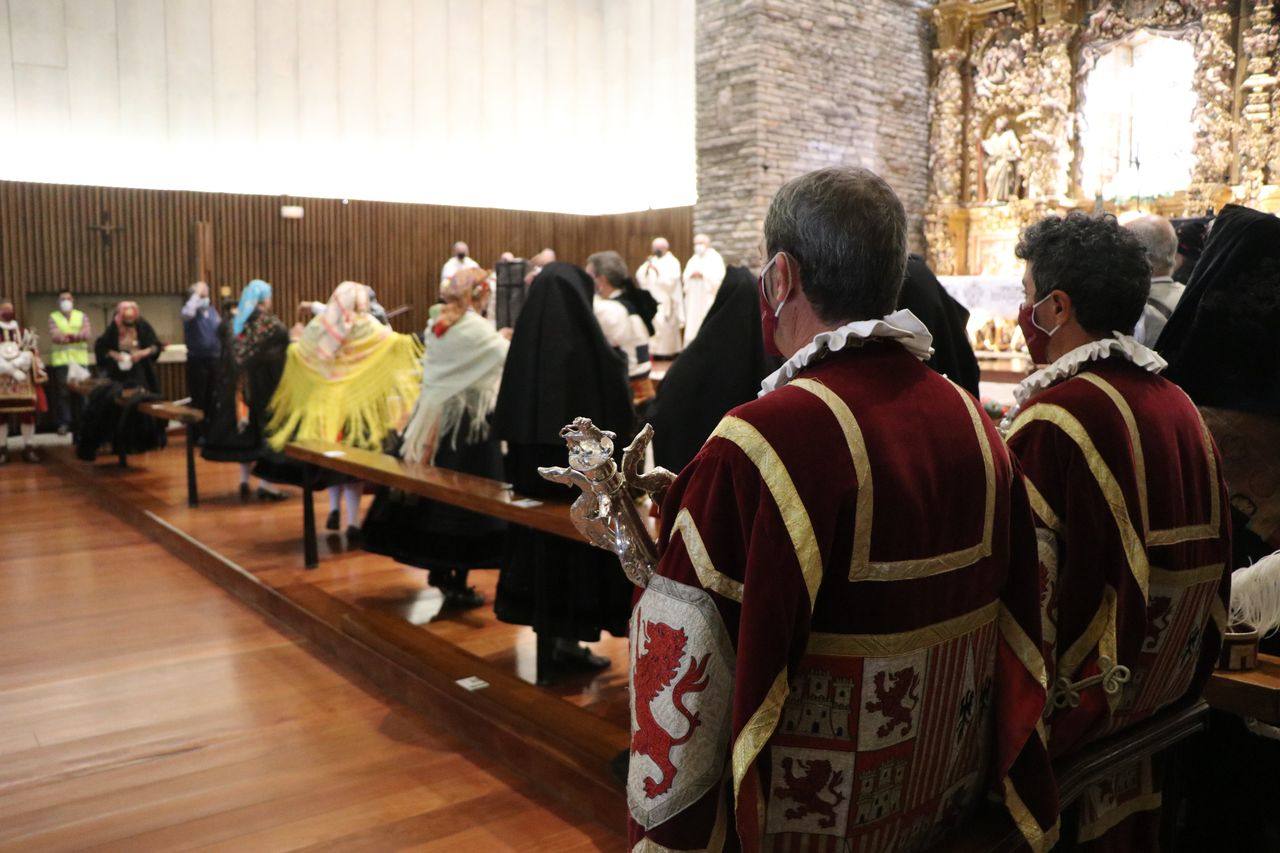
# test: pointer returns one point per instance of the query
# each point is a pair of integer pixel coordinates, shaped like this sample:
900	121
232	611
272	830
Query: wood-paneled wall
48	243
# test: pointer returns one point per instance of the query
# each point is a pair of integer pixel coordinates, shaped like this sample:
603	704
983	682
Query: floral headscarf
254	292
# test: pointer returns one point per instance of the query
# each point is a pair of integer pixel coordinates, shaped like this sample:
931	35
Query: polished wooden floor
143	708
266	539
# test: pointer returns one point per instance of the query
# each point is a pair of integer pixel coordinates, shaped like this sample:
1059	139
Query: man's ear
1062	307
788	276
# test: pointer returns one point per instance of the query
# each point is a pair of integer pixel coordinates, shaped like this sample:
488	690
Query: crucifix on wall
105	229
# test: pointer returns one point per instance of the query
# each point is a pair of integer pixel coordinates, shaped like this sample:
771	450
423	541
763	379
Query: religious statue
605	513
1003	154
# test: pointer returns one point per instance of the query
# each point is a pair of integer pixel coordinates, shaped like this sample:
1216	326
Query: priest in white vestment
461	260
702	277
660	275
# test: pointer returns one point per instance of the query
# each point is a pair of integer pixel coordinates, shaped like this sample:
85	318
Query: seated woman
253	348
449	428
349	379
719	370
127	350
125	354
560	367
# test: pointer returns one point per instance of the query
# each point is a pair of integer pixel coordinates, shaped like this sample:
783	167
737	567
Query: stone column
787	86
1257	140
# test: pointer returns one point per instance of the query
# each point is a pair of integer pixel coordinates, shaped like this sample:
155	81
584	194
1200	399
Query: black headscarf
639	301
721	369
560	366
1223	340
945	318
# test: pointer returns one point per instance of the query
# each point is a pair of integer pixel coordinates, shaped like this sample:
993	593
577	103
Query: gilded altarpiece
1007	113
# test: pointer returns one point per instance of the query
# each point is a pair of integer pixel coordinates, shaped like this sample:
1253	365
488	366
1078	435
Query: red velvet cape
1134	530
842	640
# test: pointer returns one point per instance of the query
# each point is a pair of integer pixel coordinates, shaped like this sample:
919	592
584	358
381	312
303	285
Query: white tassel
1255	595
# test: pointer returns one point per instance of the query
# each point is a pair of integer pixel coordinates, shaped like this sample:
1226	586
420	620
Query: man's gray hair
1158	239
610	265
847	230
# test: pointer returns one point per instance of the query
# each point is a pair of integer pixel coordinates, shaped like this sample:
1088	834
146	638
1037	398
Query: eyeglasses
765	291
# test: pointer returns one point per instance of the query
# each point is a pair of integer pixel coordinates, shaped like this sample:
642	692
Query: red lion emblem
655	668
806	790
896	701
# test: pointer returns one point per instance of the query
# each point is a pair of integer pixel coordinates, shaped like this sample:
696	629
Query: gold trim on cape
1104	619
1027	652
1187	577
861	567
1171	535
1039	840
903	642
1041	508
708	575
794	515
756	733
1135	550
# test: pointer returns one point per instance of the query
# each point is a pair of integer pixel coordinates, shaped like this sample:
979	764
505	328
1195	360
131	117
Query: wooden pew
1254	693
189	417
85	387
478	494
992	831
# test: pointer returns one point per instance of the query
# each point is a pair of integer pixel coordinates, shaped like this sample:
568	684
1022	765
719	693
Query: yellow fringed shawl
364	392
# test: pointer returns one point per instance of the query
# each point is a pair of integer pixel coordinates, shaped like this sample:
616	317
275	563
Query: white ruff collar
901	326
1069	365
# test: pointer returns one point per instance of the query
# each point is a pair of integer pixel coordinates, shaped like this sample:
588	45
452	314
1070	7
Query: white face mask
65	306
699	248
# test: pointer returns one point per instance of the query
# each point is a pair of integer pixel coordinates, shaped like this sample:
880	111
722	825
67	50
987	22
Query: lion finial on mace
605	513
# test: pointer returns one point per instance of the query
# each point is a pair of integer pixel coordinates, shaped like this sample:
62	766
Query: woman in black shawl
1223	348
559	367
254	342
719	370
126	354
924	296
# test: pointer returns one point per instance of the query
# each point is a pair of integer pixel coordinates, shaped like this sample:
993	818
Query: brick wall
787	86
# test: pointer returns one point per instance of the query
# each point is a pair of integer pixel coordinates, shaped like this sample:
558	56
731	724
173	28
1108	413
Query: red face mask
1037	338
769	316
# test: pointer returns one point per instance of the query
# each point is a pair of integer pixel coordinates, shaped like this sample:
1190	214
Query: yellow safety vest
73	353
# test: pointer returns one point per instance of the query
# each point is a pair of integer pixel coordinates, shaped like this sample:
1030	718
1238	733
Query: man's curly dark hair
1100	265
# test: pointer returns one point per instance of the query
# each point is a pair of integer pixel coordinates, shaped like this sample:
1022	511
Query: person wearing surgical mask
461	260
200	322
1119	467
660	275
70	331
703	275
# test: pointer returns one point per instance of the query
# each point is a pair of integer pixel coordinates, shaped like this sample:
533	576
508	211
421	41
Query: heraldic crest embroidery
682	661
879	753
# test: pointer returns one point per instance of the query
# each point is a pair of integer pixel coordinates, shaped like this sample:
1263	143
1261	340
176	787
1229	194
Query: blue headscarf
254	292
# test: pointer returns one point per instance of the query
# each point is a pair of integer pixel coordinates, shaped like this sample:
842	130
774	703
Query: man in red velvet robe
1131	511
840	649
